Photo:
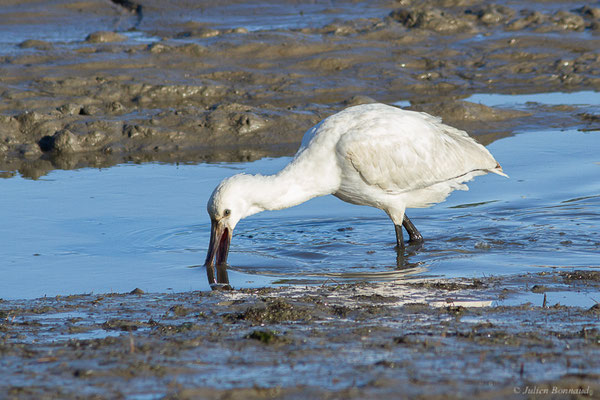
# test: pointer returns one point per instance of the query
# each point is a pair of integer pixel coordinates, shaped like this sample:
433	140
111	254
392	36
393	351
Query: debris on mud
351	342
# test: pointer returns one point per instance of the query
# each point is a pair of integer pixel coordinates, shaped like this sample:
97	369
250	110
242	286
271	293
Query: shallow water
544	216
553	98
284	16
146	225
253	17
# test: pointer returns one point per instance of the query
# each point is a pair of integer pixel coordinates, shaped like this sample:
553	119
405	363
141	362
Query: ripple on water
144	226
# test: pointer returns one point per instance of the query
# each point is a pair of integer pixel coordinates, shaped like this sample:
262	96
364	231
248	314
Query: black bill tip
218	250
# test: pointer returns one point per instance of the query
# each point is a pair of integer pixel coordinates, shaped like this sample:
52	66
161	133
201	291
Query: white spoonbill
375	155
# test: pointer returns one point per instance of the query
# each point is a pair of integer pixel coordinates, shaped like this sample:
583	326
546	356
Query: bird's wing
411	151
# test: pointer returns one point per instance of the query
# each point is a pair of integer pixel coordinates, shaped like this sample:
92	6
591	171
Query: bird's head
229	203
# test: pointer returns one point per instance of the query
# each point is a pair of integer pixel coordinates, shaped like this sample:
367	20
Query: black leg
399	239
413	233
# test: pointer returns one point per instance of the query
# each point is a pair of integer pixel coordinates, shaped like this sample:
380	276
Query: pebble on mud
589	12
105	37
492	14
532	19
70	109
432	19
539	289
568	21
358	100
36	44
65	141
199	33
30	151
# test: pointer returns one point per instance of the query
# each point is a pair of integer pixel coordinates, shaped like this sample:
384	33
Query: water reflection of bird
375	155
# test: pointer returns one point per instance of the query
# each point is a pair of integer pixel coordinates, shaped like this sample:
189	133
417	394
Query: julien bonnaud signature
553	390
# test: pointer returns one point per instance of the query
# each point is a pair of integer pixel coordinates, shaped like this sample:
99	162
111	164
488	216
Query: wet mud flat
424	339
178	82
98	83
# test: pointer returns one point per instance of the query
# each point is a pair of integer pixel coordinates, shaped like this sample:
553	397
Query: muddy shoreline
423	339
185	83
99	83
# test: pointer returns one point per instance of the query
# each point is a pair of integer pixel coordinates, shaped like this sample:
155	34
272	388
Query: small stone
36	44
70	109
539	289
104	37
89	110
30	151
205	33
157	48
116	107
592	12
66	141
359	99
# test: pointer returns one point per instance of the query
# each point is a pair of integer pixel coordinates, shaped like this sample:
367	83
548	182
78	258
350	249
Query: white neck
282	190
291	186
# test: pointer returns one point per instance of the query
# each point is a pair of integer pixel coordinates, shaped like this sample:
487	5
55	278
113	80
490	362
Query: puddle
545	214
252	17
273	16
555	298
146	226
553	98
402	103
108	230
52	318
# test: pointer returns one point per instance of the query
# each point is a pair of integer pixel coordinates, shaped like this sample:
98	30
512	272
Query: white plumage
375	155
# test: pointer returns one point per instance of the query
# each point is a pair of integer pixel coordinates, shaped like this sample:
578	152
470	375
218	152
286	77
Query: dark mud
184	81
447	339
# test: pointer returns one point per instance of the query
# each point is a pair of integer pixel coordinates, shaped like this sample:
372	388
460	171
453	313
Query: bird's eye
227	212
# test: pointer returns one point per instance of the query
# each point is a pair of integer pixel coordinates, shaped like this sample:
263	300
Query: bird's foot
415	244
411	245
415	240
